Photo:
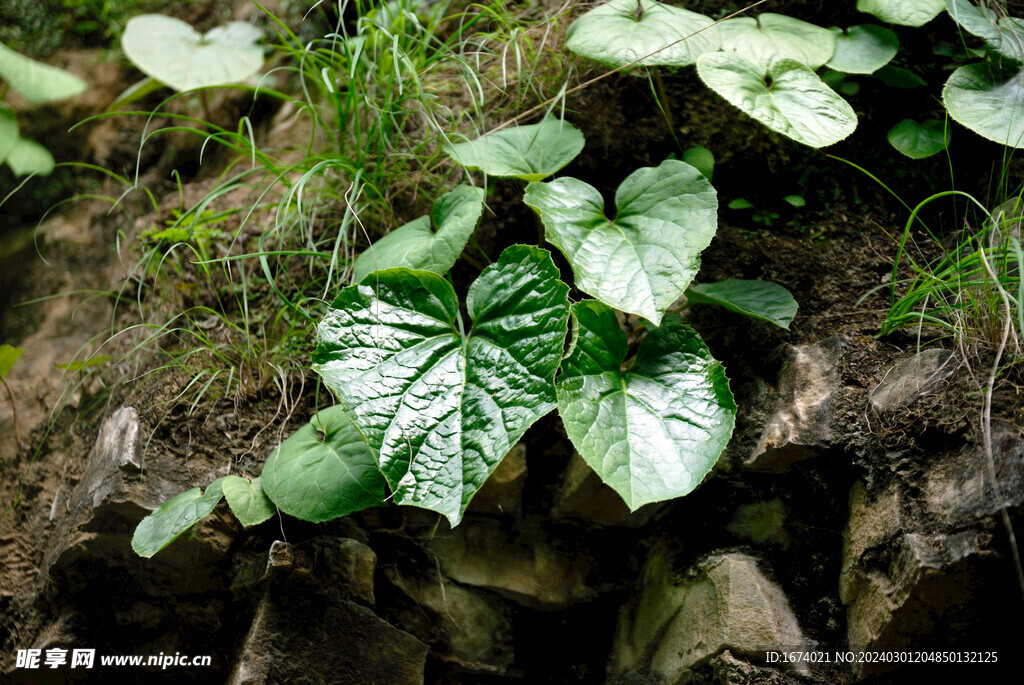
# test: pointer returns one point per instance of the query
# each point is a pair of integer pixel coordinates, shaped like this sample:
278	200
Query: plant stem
663	103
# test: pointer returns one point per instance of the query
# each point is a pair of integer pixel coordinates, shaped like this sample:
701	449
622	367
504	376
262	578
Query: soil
835	254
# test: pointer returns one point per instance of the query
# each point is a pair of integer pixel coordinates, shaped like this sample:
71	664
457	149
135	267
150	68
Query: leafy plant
38	83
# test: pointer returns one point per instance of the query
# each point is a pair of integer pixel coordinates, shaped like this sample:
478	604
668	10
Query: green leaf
701	159
417	246
739	203
613	34
37	82
9	135
531	153
653	432
642	260
903	12
987	99
978	21
918	141
80	364
796	104
863	49
8	356
440	408
247	500
762	300
175	54
174	517
324	470
795	201
897	77
769	37
29	157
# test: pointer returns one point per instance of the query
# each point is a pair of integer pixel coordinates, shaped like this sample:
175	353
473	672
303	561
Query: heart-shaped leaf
29	157
978	21
433	242
531	153
35	81
439	407
863	49
618	33
769	37
247	500
757	299
324	470
653	432
903	12
642	260
918	141
174	517
987	99
175	54
793	101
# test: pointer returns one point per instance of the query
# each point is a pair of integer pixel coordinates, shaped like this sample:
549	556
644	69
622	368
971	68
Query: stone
680	622
524	566
799	427
502	492
582	495
471	628
912	378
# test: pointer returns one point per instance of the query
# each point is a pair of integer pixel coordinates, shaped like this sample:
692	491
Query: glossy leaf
174	517
29	157
903	12
432	242
617	34
653	432
642	260
531	153
988	100
769	37
762	300
37	82
863	49
796	104
175	54
324	470
8	356
918	141
247	500
438	407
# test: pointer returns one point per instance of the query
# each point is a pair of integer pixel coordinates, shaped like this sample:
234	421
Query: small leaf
247	500
897	77
531	153
175	54
438	407
769	37
643	259
9	135
29	157
701	159
433	242
324	470
903	12
739	203
80	364
918	141
37	82
795	201
797	104
762	300
651	433
987	99
174	517
8	356
612	34
863	49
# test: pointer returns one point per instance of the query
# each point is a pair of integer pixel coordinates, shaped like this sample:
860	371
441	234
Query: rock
468	627
726	669
761	522
679	623
799	428
502	492
302	632
526	567
582	495
102	511
911	378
